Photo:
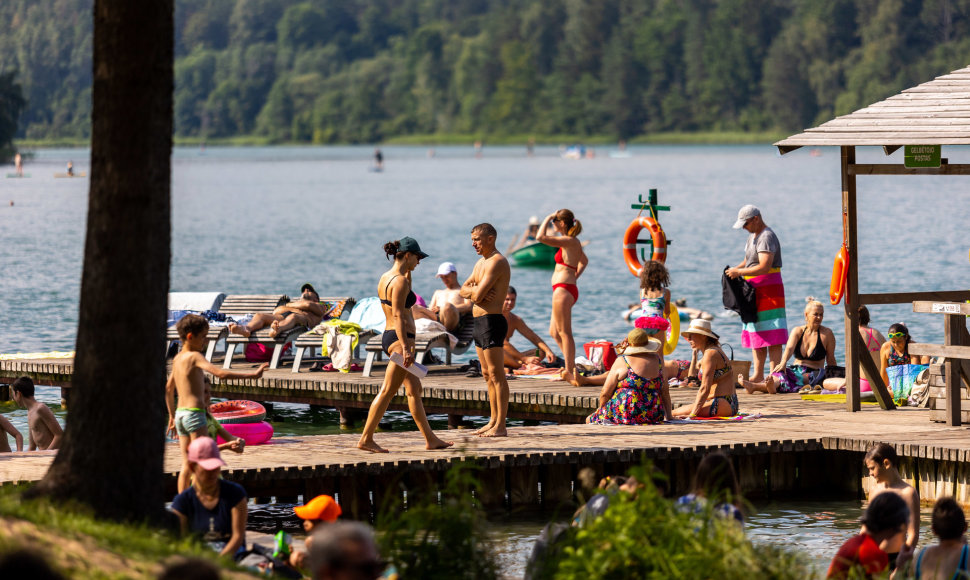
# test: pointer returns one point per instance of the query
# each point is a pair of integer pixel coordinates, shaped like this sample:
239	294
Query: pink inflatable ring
251	433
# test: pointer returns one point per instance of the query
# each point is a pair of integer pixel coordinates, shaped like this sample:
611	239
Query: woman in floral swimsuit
895	351
635	392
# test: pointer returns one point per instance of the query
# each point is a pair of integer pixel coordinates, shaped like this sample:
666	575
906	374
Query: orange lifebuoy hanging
840	273
657	238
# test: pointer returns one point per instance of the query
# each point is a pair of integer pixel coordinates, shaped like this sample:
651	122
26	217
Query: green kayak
535	254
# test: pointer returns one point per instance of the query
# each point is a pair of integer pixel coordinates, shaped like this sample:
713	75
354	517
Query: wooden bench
424	343
956	366
234	306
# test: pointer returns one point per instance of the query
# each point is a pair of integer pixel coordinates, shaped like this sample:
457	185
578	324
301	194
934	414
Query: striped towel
771	328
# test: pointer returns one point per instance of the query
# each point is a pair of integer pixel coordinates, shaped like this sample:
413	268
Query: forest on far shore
357	71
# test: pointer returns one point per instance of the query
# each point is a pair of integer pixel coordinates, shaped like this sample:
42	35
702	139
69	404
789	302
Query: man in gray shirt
762	268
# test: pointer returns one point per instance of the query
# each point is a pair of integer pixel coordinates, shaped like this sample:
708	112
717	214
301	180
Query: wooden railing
955	350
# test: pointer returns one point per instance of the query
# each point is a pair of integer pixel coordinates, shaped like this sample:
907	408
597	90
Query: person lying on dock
513	357
447	306
212	507
188	380
44	430
7	428
883	464
306	311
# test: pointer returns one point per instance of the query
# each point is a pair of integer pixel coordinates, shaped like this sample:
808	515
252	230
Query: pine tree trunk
111	458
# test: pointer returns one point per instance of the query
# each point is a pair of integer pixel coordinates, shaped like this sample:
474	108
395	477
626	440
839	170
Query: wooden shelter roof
933	113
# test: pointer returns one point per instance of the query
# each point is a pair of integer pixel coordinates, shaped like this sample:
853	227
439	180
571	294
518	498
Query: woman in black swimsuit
716	396
397	298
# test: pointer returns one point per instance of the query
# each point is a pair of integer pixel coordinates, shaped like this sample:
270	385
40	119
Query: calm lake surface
266	220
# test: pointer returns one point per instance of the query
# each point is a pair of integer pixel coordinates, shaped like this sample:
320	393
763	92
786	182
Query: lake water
266	220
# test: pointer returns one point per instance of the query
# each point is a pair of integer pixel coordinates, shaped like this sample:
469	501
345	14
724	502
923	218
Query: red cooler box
601	353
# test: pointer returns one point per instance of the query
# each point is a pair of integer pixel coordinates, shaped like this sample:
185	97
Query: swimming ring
229	412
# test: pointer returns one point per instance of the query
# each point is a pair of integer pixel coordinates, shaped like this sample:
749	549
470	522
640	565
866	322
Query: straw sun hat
700	326
639	342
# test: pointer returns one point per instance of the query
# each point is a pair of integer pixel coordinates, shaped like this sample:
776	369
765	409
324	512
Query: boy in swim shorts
486	288
187	379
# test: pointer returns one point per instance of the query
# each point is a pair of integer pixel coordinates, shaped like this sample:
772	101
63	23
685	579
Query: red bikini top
559	260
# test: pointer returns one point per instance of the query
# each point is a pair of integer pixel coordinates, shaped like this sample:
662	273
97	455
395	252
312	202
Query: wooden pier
798	448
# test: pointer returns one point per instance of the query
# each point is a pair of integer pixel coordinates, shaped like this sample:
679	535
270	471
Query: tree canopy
11	104
365	70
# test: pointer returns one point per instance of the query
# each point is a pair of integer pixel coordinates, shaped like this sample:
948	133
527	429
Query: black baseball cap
409	244
306	287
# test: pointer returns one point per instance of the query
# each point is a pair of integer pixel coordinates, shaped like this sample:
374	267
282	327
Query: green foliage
648	537
11	104
445	539
371	70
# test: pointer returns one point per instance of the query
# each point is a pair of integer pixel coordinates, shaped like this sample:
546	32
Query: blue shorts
188	421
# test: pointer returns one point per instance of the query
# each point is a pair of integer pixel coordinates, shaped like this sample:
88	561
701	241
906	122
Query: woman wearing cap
211	506
397	298
635	392
571	261
716	396
813	347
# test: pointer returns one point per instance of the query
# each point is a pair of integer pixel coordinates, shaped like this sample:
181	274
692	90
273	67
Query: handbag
834	372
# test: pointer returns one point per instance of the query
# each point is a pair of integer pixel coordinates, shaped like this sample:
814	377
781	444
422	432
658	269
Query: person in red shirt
886	517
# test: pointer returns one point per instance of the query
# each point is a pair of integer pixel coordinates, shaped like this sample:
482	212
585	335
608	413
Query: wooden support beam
951	334
932	307
946	350
894	169
904	297
879	389
853	399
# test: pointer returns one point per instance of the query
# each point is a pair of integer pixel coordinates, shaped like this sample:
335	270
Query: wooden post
951	373
852	395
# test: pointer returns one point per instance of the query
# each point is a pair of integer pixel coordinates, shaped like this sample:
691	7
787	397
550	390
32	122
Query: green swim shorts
189	420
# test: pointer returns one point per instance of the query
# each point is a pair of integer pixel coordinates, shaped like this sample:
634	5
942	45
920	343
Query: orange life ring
840	273
657	237
238	412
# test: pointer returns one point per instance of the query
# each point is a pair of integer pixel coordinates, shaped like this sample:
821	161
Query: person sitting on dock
895	351
883	464
813	347
514	358
213	507
635	392
950	558
44	430
447	306
7	428
861	556
188	371
716	396
306	311
345	550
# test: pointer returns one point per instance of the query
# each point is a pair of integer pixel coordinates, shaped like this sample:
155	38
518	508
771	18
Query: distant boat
81	174
16	176
573	152
620	155
534	254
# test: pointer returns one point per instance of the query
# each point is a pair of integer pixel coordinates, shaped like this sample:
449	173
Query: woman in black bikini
813	347
397	298
570	262
716	396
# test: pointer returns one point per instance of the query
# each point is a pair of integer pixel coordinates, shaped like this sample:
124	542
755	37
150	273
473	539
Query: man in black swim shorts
486	288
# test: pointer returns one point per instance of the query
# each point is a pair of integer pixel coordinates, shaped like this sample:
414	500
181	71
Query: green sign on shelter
922	155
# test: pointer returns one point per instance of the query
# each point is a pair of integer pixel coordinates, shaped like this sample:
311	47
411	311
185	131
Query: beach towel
195	301
368	314
739	295
771	328
431	328
738	417
901	379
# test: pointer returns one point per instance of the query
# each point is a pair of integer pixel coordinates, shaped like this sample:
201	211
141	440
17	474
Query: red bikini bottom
571	288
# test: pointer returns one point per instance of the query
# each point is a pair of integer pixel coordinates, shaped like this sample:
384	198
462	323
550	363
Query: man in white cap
447	306
762	269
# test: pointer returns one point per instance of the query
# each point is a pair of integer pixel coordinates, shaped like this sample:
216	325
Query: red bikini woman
571	260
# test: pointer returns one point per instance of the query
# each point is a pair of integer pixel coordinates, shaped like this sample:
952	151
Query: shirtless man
447	306
882	462
18	162
486	288
307	311
45	432
6	427
513	357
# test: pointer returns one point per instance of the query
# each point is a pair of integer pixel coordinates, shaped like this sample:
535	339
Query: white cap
446	268
747	212
534	220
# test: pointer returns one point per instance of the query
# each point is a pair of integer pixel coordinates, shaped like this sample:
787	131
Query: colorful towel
37	355
771	327
901	379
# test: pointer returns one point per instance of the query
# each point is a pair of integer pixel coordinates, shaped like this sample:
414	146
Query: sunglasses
897	335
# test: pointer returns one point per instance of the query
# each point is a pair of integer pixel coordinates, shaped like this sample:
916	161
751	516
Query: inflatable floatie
251	433
630	237
230	412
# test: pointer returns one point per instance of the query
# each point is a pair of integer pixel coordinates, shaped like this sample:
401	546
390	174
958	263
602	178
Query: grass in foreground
79	545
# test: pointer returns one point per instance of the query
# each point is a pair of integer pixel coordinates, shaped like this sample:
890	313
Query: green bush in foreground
648	537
